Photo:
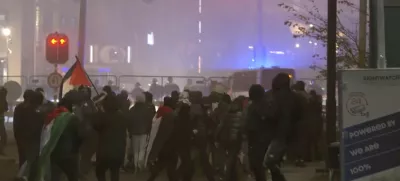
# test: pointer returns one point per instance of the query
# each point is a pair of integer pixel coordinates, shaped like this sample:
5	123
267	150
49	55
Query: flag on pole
75	76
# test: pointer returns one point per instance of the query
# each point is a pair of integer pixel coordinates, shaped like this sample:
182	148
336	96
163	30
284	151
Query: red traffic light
63	41
53	41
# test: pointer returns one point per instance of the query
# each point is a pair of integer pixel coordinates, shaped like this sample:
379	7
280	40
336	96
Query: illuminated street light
6	32
297	45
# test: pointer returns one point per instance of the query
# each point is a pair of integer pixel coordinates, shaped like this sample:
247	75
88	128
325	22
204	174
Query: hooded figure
161	149
139	120
111	126
280	113
27	126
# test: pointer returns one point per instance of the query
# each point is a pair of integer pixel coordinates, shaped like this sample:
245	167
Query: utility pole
362	33
82	31
331	74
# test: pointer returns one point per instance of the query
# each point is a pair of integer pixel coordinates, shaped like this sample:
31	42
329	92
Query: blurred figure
170	87
85	109
229	136
162	146
123	101
188	86
183	134
259	132
45	106
156	89
137	90
108	89
3	109
27	126
175	98
149	102
139	117
112	127
202	129
301	152
316	120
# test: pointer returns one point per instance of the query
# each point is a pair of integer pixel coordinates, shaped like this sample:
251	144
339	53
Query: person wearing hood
27	126
139	118
202	130
161	149
111	126
280	113
257	130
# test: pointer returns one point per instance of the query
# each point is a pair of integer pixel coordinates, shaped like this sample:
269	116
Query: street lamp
6	32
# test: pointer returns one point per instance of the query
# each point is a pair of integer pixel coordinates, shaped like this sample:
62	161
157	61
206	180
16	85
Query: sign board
369	105
54	80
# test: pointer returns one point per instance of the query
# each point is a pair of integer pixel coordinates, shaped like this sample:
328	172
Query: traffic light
57	48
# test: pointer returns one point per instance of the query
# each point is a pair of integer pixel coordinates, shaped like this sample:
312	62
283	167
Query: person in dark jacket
316	120
3	109
175	98
229	136
258	131
281	113
137	90
139	117
303	125
183	134
202	130
86	110
123	101
162	151
149	102
27	126
112	128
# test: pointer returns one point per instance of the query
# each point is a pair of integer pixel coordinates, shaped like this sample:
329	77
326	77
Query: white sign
54	80
369	113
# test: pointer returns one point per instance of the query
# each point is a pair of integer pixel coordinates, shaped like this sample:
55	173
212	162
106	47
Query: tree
308	22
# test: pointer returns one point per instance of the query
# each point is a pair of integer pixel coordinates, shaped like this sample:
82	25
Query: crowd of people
253	133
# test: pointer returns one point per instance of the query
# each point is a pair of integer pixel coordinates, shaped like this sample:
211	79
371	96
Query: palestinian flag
75	77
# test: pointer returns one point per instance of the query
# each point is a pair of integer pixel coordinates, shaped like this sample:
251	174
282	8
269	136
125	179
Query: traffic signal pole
331	75
82	31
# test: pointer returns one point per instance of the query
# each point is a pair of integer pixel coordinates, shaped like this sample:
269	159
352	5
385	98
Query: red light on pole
53	41
62	41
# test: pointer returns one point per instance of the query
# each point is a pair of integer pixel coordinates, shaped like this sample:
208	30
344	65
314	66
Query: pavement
9	168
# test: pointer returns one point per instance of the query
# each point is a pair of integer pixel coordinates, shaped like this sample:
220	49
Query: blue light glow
104	70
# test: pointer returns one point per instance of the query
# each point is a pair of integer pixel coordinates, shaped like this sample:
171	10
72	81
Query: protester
170	87
203	127
137	90
3	109
60	142
156	89
139	118
27	127
85	110
162	146
316	122
302	145
112	128
123	101
229	136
